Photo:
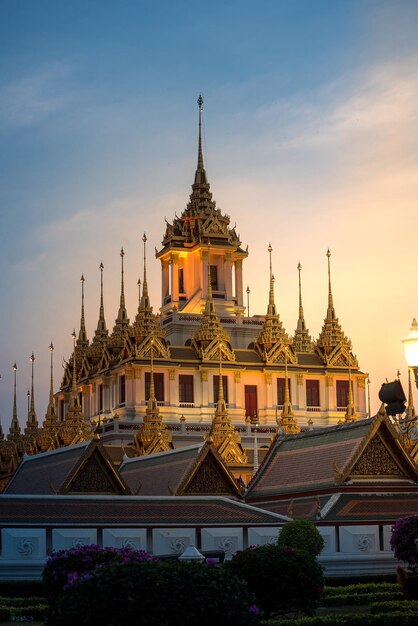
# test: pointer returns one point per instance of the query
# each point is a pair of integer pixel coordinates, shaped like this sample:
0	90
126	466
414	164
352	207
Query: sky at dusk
310	142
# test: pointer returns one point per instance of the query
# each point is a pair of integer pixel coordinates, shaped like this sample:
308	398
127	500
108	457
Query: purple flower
254	610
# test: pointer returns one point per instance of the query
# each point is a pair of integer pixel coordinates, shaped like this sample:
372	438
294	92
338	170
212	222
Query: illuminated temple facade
202	368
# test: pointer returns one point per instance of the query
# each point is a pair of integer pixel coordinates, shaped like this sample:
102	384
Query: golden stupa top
201	220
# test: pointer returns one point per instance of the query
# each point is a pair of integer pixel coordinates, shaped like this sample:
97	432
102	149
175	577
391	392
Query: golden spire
272	339
330	310
288	422
271	309
14	425
101	332
146	323
350	413
222	433
211	335
302	341
410	409
121	328
248	300
74	408
145	298
139	291
200	176
82	335
51	415
32	423
152	435
331	335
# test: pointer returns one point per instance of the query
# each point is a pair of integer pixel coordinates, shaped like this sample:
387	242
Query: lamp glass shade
410	345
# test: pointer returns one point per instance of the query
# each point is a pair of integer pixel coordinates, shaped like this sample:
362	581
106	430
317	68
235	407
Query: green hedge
361	588
17	602
357	599
36	612
392	607
406	618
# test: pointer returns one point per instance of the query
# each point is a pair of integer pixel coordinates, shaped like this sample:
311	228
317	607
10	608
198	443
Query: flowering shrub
404	538
282	579
65	567
166	593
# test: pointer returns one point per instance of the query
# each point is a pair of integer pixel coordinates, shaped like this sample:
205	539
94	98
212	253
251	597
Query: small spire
221	405
139	291
152	402
32	423
271	310
74	403
288	421
102	324
248	300
255	460
410	409
200	152
82	335
302	341
122	308
331	310
145	283
14	426
50	412
101	333
300	293
350	414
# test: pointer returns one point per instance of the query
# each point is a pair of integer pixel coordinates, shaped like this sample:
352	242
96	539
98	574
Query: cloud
30	99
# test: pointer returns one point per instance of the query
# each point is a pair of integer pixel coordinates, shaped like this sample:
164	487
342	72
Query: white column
238	281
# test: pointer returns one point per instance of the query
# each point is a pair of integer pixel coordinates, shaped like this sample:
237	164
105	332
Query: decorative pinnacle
32	398
145	284
51	406
14	426
200	152
300	293
101	324
139	291
122	286
330	300
271	307
82	336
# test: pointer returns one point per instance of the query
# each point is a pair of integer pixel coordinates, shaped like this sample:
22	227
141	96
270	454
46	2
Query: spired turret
185	259
273	343
333	346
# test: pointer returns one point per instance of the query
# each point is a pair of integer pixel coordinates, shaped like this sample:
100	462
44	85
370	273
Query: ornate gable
94	473
341	356
377	460
156	344
208	476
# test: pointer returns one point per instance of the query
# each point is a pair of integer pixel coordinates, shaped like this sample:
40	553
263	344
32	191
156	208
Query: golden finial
248	301
271	307
330	300
50	413
200	102
199	152
290	509
145	284
14	426
32	421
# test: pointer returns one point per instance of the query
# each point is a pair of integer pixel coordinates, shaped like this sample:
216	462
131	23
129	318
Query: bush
282	579
360	588
65	566
404	538
359	599
165	593
301	534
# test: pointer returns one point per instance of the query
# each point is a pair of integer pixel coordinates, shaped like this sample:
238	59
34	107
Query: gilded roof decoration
333	346
200	220
302	341
211	339
222	433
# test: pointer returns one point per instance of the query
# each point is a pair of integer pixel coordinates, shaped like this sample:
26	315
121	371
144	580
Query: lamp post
410	346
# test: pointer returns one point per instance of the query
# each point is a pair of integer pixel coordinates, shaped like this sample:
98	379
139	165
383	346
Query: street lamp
410	346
